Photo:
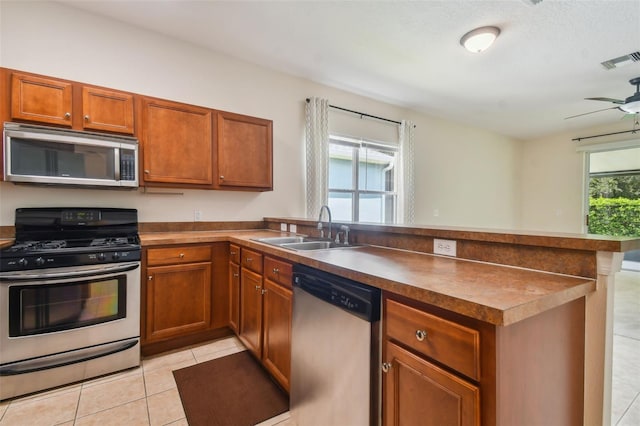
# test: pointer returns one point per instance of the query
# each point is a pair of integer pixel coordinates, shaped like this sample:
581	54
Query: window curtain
406	181
317	153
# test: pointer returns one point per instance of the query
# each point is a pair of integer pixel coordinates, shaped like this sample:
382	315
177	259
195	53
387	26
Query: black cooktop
62	237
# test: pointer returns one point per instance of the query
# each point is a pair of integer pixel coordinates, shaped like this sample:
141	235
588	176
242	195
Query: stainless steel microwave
45	155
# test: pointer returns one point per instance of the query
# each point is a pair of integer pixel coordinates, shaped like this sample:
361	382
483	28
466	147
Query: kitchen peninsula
541	303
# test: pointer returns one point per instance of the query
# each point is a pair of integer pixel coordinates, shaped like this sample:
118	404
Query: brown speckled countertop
497	294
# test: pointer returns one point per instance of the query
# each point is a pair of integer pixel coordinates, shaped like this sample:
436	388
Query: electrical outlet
197	215
283	227
446	247
293	228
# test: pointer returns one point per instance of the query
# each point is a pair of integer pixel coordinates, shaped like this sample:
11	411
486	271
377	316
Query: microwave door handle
116	158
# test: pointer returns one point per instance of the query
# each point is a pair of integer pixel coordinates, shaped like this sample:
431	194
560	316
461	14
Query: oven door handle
60	360
39	276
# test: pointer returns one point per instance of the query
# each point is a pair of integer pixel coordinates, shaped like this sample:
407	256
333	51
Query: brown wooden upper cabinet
176	143
107	110
245	152
64	103
42	100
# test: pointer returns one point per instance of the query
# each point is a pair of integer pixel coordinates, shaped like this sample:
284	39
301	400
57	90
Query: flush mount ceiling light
479	39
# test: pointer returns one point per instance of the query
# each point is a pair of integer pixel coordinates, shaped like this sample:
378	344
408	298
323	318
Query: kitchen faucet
320	221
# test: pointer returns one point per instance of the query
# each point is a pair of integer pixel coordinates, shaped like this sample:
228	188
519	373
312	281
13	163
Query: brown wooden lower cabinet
442	368
185	295
251	311
178	300
277	314
418	392
266	300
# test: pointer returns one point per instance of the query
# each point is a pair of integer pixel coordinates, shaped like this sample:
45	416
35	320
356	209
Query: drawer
451	344
278	271
177	255
251	260
234	253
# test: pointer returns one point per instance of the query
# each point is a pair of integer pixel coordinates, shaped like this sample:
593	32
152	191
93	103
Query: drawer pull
249	259
236	275
421	335
181	255
386	366
233	253
276	271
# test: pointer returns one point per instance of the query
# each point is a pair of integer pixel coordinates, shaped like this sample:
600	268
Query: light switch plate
446	247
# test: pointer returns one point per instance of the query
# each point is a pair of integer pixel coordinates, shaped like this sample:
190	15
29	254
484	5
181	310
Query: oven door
52	313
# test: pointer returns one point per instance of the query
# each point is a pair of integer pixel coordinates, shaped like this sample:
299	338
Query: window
614	192
362	180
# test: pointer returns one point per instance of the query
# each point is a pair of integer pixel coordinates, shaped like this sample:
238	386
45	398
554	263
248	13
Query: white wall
469	175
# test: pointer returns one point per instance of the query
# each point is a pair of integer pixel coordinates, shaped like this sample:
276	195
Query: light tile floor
148	395
625	404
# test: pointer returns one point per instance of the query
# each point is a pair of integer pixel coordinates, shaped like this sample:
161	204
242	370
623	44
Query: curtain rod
362	114
605	134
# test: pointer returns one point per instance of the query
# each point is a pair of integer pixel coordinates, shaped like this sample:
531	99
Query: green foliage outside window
614	205
614	216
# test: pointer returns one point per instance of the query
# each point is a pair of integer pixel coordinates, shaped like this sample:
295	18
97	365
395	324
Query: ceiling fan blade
592	112
615	101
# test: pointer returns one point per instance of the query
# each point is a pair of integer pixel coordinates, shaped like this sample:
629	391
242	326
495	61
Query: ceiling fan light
480	39
631	107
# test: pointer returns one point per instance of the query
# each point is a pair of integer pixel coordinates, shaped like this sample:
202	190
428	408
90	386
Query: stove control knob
115	256
23	262
39	261
101	256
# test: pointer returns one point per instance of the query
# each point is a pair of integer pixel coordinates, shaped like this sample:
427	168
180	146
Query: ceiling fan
631	105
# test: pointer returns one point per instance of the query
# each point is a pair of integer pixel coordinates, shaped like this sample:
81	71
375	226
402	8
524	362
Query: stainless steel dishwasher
335	350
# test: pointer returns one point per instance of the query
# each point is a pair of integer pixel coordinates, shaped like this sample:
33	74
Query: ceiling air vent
532	2
622	61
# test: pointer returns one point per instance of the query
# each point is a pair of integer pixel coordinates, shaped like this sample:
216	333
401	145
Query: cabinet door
178	300
176	143
234	297
276	351
107	110
245	152
418	392
41	100
251	311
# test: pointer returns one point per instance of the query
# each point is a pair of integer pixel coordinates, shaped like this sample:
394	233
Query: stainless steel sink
276	241
303	243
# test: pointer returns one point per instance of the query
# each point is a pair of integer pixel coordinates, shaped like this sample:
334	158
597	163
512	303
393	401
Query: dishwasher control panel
356	298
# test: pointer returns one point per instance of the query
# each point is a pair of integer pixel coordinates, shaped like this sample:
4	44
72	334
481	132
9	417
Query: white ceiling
545	62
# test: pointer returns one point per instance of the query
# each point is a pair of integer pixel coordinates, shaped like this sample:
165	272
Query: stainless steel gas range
69	297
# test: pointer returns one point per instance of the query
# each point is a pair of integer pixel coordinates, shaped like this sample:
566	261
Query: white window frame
355	191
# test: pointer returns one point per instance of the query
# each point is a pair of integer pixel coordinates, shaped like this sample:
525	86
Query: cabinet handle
181	255
221	177
150	277
147	171
276	271
263	291
386	366
86	118
67	115
421	335
248	259
236	275
233	253
258	287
